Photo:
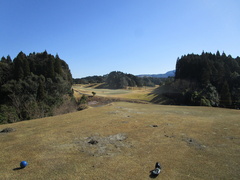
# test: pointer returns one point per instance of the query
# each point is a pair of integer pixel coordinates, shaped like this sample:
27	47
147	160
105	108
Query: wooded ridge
31	86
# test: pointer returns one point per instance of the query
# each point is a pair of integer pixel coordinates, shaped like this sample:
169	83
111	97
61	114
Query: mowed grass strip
189	142
143	93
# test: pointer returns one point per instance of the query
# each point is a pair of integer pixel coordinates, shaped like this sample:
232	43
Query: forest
120	80
207	79
31	86
35	85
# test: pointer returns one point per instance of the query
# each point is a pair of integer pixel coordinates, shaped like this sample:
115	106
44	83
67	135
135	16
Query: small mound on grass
194	143
97	145
7	130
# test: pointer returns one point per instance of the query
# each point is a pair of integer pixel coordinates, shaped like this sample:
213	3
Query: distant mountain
167	74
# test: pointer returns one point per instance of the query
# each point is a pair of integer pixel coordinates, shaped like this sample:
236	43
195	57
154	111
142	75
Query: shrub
8	114
82	107
205	102
83	99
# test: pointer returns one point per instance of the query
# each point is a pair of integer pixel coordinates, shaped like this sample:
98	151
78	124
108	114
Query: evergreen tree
30	88
9	59
205	76
3	59
19	73
41	91
57	65
219	70
21	66
26	68
225	95
45	54
5	73
50	68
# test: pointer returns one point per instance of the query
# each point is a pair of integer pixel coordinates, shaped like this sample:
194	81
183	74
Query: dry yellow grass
189	142
143	93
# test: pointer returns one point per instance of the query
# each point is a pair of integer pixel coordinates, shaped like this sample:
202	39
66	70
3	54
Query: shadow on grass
166	95
155	172
152	175
103	86
18	168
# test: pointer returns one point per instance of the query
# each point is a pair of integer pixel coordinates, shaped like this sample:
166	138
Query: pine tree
41	91
45	54
205	76
57	65
50	68
26	68
20	73
178	69
9	60
3	59
225	95
21	66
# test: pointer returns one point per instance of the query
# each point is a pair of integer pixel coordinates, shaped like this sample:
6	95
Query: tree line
120	80
207	79
31	86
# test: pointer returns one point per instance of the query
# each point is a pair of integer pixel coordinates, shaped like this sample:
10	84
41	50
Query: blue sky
96	37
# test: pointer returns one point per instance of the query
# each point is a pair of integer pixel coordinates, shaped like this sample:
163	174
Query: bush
205	102
8	114
83	99
82	107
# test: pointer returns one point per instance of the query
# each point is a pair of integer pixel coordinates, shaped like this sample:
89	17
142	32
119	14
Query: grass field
143	93
189	142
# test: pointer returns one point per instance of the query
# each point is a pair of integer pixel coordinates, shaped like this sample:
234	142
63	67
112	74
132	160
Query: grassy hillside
143	93
127	140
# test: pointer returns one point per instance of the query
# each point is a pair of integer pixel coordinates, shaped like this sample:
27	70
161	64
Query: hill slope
166	75
124	141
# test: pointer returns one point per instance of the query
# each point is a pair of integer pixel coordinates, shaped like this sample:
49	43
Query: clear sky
96	37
